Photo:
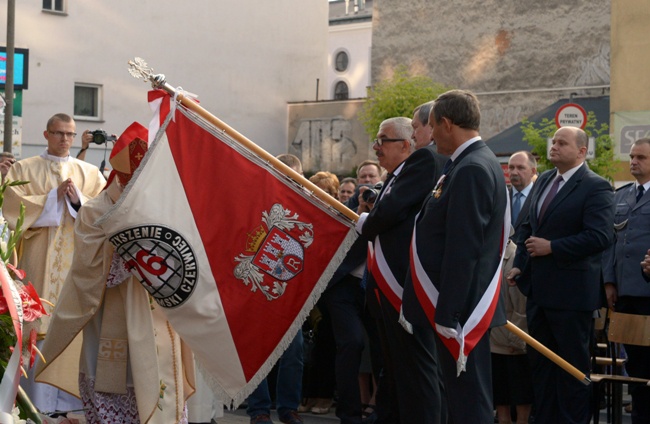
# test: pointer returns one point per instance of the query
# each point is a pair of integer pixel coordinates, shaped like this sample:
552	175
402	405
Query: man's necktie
549	197
447	166
639	193
516	207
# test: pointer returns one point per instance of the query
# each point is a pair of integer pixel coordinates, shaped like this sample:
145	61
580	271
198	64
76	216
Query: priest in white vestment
108	341
58	186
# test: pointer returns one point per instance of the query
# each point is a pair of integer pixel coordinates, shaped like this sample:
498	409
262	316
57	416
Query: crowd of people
410	326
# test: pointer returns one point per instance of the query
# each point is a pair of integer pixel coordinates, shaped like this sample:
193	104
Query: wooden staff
548	353
139	68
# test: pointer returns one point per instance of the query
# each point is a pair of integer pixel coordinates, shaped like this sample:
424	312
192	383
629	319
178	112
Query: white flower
15	414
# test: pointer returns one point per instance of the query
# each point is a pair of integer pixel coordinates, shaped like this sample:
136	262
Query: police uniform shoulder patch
625	186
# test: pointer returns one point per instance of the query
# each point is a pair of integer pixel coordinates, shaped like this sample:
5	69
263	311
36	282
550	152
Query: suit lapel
544	181
387	184
565	191
471	148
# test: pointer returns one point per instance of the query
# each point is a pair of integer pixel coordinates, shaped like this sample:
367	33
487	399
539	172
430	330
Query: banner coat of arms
235	252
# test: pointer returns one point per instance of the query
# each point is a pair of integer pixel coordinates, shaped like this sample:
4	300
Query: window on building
54	5
341	91
87	101
341	61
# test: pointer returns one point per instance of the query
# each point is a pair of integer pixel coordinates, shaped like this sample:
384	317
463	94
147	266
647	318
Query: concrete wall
327	137
535	51
245	60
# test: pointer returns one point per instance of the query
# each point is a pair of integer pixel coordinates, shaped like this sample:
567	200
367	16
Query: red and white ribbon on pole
11	377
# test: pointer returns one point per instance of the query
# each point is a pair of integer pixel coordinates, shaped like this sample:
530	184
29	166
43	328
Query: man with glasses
58	186
407	392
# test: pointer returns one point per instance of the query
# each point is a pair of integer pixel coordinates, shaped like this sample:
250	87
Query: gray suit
621	267
621	260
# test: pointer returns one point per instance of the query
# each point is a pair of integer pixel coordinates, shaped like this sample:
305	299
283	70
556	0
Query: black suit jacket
392	217
459	237
578	222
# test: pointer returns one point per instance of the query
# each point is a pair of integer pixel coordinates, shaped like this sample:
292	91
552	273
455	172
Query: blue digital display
21	61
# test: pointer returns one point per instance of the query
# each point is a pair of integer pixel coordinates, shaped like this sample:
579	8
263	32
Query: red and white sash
479	320
382	274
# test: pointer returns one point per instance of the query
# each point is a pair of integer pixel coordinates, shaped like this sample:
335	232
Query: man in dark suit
421	128
345	300
558	267
417	396
511	377
522	168
626	289
456	256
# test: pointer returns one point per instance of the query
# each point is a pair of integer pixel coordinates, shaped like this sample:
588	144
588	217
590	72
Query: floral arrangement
19	303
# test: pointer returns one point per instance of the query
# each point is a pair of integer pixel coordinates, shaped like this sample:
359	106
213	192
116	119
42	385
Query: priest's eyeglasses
61	134
380	141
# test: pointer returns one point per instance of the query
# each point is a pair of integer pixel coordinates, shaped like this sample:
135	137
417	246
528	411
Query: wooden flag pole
548	353
139	69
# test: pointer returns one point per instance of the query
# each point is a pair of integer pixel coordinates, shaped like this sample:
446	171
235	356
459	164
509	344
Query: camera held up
370	195
100	136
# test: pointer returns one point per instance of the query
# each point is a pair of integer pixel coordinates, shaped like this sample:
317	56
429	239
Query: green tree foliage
397	96
537	134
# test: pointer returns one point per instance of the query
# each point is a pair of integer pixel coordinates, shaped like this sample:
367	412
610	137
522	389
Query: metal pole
9	84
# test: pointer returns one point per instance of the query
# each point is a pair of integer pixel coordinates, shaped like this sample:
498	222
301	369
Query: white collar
48	156
464	146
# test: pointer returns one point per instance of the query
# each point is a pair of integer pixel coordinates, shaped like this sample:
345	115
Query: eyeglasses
62	134
380	141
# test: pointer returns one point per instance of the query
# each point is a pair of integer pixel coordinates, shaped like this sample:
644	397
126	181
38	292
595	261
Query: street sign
571	115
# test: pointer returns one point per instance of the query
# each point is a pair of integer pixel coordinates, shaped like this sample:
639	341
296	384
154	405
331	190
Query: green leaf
397	96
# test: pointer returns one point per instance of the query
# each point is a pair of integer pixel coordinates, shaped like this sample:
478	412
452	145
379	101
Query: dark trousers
412	362
559	397
387	406
345	303
469	395
638	360
318	375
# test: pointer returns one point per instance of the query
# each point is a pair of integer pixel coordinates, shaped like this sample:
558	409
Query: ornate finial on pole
138	68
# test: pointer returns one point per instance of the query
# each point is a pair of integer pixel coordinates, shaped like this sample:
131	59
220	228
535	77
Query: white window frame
98	102
52	9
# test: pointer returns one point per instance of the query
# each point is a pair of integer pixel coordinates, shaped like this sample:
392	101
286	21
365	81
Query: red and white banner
469	334
235	252
11	376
